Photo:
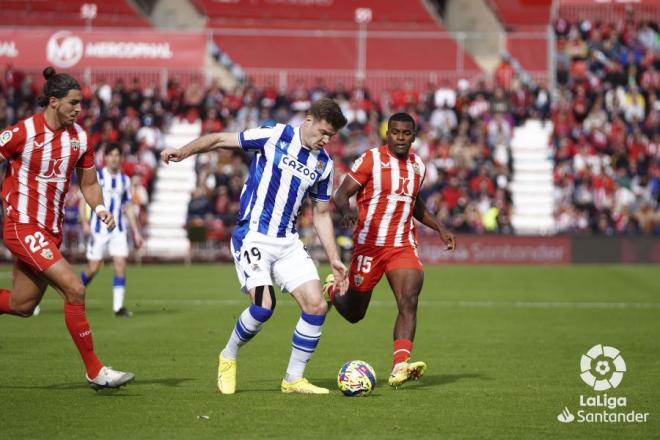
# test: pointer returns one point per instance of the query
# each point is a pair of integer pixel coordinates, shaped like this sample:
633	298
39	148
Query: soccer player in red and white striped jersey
387	181
42	151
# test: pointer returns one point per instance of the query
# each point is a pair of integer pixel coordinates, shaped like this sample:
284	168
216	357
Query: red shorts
32	245
369	263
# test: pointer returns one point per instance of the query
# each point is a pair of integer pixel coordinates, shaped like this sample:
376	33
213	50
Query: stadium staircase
166	227
532	188
462	16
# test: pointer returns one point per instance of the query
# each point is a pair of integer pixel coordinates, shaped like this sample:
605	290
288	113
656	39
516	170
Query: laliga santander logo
64	49
602	367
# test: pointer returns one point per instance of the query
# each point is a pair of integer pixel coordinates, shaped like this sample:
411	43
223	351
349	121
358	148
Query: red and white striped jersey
41	161
385	202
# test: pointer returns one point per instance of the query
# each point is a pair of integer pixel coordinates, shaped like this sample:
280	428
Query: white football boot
109	378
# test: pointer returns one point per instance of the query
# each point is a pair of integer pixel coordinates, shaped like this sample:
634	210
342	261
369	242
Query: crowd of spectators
464	136
606	140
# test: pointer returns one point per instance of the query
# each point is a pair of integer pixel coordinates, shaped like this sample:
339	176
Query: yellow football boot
404	371
227	375
302	386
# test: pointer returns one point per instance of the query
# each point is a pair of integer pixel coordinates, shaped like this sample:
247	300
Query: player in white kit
290	163
102	242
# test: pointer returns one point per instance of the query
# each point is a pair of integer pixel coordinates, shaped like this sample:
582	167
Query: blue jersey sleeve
255	139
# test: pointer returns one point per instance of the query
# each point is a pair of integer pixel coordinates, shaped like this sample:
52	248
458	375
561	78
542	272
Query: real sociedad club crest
75	144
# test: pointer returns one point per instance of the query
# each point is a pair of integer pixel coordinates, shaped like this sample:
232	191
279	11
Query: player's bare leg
406	285
62	276
26	294
306	337
352	305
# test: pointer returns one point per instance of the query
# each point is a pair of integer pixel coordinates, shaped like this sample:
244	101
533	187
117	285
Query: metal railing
146	75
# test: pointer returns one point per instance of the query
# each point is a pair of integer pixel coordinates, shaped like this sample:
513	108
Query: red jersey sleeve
12	141
362	168
87	158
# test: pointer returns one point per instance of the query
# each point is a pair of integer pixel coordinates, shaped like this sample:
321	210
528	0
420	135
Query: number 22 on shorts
36	241
363	263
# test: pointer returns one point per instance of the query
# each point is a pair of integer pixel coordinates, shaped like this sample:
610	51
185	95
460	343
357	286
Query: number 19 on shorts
363	263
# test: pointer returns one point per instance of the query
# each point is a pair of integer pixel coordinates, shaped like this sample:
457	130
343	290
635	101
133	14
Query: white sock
306	337
118	289
118	298
247	326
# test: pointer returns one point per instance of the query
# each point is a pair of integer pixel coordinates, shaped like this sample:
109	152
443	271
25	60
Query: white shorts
100	245
283	258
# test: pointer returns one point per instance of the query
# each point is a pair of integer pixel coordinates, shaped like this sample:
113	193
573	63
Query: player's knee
315	306
318	308
264	296
408	304
75	293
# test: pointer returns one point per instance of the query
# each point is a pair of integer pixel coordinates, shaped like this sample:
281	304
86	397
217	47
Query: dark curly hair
57	85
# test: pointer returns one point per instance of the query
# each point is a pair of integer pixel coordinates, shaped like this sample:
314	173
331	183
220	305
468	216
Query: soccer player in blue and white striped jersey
289	165
116	188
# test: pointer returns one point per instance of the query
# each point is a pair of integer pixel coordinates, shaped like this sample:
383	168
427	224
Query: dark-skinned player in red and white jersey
387	180
43	151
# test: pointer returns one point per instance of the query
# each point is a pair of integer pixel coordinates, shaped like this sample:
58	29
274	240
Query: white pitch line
422	303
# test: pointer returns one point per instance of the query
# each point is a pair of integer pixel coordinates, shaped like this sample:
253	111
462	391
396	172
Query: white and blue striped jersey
116	193
281	175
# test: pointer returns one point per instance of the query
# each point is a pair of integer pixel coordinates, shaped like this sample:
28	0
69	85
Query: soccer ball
356	378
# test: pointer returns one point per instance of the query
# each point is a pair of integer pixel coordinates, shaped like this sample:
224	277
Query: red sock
76	322
402	350
4	301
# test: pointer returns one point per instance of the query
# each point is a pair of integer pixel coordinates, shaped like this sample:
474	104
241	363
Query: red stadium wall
516	14
384	11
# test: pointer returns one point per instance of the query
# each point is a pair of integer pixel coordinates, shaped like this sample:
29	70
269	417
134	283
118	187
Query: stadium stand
606	139
322	36
521	14
67	13
601	122
320	13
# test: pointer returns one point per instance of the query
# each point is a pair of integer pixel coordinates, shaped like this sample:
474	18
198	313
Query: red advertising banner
497	249
64	49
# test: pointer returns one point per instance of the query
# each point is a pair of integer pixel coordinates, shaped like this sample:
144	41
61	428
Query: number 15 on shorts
363	264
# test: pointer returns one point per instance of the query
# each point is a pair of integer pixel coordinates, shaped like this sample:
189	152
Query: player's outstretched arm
348	188
130	209
203	144
324	228
422	214
91	191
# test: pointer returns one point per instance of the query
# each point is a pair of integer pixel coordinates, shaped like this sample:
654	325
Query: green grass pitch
503	345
